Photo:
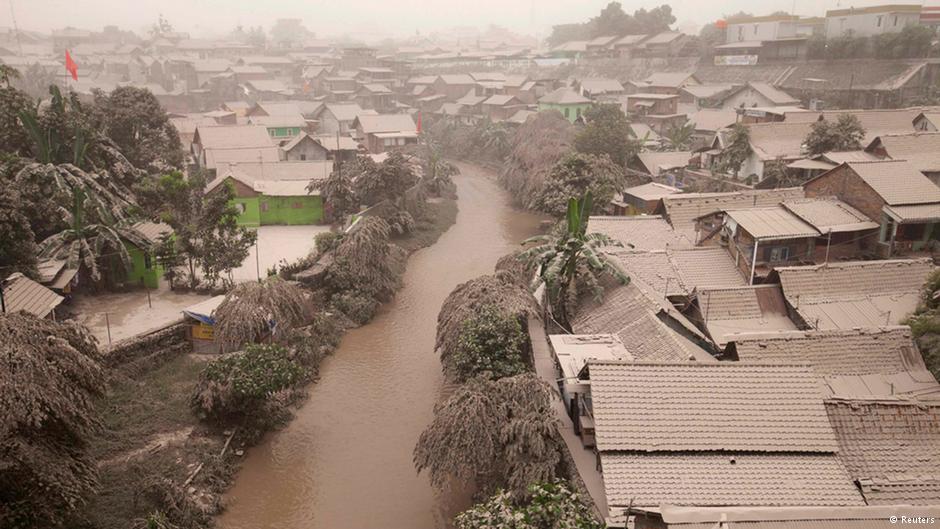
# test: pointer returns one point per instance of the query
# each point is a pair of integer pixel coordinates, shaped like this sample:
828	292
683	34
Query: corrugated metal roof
21	293
771	224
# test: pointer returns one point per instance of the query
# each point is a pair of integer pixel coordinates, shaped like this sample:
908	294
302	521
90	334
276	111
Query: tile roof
916	213
892	448
651	480
152	231
680	271
631	313
656	162
372	124
921	149
711	120
875	122
644	232
564	96
885	350
233	137
771	224
781	139
851	75
723	406
830	215
342	111
666	79
216	158
916	385
774	94
682	210
705	91
828	517
21	293
651	191
897	182
855	294
601	85
728	312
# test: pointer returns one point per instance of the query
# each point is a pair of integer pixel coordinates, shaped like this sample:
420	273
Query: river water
344	462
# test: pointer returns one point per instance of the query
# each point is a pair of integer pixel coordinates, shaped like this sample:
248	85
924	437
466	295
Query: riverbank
346	459
153	454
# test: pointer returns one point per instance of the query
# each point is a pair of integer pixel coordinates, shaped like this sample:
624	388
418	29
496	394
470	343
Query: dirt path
345	461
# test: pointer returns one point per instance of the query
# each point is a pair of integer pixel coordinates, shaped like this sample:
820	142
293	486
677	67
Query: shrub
327	241
357	307
546	506
239	385
490	342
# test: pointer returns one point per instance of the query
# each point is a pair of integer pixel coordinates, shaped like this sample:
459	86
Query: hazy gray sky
378	17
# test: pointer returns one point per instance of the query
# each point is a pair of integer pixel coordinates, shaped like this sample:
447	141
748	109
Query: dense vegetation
844	134
612	20
925	324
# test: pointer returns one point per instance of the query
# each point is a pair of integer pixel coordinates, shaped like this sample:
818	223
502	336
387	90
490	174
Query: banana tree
572	255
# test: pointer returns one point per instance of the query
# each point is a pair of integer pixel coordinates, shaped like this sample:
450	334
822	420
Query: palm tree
438	172
97	217
572	255
680	137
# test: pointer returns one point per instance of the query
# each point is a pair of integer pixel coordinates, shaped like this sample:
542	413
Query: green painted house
144	269
282	127
275	194
565	100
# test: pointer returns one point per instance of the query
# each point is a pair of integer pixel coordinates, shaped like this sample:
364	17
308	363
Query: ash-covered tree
536	146
551	505
607	132
140	128
18	247
388	179
575	175
205	226
572	258
49	376
363	261
338	193
844	134
493	433
14	139
492	343
737	151
679	137
268	309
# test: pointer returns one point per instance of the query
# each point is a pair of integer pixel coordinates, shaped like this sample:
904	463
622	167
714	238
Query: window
779	253
895	20
297	205
755	29
578	112
878	21
264	205
740	32
567	112
147	263
303	157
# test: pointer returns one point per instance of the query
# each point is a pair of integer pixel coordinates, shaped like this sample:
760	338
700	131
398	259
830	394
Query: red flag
70	66
419	122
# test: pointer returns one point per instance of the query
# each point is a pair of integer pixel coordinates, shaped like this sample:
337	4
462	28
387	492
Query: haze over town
469	265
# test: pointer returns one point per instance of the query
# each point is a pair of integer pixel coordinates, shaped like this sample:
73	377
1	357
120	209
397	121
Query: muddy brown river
344	462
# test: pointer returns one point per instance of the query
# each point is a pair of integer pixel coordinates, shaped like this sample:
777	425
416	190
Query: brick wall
843	183
142	352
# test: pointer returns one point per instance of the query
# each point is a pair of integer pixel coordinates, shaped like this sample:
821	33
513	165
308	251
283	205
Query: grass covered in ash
149	445
441	215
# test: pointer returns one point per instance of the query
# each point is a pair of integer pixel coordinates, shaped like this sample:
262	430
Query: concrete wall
140	271
868	24
570	112
250	213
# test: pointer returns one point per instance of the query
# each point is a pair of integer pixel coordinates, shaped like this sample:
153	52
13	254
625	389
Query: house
890	448
846	84
927	122
571	352
770	143
274	193
565	100
53	274
763	28
383	132
281	127
454	86
260	89
665	44
644	232
337	117
664	83
627	45
727	434
501	107
597	87
651	104
676	517
873	20
853	294
756	94
600	46
893	193
375	96
144	269
708	95
678	273
305	147
643	199
708	122
212	145
724	312
920	149
658	163
20	293
683	211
